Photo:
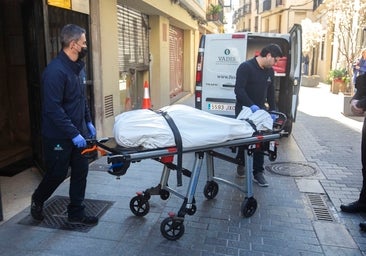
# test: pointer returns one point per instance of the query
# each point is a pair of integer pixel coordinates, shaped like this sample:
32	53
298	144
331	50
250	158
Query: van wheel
288	127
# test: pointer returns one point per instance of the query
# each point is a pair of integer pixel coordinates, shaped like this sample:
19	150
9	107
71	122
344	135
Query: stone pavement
318	168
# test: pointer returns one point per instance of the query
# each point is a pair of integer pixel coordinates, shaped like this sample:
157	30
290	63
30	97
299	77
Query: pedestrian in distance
358	107
254	88
66	124
359	68
306	64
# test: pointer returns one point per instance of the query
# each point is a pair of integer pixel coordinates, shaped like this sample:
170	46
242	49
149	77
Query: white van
219	56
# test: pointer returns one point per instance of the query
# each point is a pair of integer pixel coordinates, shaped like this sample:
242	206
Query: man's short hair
273	49
69	33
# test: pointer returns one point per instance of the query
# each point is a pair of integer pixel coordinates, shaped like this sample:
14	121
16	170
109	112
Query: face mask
83	52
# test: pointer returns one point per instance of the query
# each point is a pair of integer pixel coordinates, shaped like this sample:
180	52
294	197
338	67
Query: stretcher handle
280	121
91	147
94	148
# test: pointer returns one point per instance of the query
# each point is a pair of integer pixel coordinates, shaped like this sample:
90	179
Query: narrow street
317	169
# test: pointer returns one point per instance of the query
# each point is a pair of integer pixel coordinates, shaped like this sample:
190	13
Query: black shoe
37	210
84	220
354	207
259	178
363	226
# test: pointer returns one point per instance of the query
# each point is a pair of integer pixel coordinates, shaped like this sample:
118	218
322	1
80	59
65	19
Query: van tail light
198	77
198	96
238	36
198	91
198	100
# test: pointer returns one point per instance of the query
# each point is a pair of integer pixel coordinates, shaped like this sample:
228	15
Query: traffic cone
146	102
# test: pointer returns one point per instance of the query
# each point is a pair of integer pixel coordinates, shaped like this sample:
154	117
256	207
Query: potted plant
340	79
213	12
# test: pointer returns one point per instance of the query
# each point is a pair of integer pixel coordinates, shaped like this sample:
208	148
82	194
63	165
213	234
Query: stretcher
172	228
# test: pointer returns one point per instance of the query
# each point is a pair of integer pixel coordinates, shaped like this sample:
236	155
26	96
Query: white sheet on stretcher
146	128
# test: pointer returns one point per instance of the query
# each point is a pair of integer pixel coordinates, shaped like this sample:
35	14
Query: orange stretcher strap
94	148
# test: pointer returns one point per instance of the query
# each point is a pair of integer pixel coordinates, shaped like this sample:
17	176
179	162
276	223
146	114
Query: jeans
258	160
59	155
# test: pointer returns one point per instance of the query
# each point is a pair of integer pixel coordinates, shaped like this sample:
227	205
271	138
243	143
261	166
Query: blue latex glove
79	141
254	108
274	117
92	130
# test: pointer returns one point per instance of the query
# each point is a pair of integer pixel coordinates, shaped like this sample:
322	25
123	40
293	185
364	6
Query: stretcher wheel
272	157
211	189
172	229
192	210
139	206
164	194
249	206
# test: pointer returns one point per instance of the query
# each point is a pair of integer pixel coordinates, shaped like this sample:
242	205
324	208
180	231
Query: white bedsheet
150	130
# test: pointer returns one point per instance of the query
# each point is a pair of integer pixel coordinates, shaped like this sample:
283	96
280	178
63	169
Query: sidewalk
318	168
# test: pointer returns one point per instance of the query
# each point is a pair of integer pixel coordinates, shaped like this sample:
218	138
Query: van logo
226	59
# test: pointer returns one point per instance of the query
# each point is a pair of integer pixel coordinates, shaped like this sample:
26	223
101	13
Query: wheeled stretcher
172	228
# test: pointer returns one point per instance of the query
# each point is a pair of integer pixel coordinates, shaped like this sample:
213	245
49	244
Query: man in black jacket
66	124
358	107
254	88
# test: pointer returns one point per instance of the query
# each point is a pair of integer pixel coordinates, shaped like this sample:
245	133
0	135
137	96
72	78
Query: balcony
242	11
215	17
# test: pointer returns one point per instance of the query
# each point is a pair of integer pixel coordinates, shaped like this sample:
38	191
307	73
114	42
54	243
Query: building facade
131	43
272	16
342	20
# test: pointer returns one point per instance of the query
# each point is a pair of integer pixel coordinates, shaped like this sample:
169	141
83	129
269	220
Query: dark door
42	26
34	41
15	137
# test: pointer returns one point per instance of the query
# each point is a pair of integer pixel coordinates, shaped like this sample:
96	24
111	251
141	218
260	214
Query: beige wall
104	36
324	66
159	66
191	42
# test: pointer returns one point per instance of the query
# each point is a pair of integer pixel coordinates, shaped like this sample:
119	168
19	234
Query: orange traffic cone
146	102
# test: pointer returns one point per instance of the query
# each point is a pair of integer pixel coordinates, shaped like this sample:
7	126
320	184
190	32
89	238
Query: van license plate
221	107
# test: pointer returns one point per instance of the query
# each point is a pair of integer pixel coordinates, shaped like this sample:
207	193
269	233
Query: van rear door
295	70
226	52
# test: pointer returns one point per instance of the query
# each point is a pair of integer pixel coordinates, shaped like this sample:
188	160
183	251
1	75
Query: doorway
15	135
29	36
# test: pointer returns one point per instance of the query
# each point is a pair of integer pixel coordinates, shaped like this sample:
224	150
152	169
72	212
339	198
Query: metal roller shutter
176	36
133	55
133	39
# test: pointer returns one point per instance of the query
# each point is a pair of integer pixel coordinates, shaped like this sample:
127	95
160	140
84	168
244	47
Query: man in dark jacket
358	107
254	88
66	124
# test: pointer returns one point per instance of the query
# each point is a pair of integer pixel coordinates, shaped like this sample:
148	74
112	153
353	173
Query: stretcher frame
172	228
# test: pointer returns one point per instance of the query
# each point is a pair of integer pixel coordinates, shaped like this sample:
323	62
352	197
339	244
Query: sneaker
37	210
363	226
259	178
353	207
84	220
240	172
